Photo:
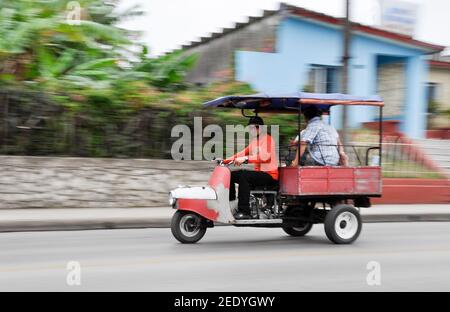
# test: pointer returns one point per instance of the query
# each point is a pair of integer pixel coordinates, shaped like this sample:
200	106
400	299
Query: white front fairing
211	202
194	192
222	205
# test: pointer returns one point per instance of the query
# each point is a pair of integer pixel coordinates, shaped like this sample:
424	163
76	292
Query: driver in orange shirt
262	153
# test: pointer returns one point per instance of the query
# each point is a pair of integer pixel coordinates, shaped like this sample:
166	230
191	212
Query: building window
324	79
432	97
432	91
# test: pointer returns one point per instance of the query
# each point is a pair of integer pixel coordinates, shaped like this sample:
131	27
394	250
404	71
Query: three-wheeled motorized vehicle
304	196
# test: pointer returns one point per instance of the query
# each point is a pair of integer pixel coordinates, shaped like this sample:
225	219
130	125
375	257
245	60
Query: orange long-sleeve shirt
262	153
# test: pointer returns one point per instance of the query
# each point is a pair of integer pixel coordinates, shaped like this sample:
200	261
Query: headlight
172	200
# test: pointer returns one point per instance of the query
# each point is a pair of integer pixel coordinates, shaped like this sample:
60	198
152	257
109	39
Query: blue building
294	49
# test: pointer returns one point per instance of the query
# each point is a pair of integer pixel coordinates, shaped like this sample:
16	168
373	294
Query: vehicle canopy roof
288	102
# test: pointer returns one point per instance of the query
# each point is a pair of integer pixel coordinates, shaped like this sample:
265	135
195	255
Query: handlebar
221	162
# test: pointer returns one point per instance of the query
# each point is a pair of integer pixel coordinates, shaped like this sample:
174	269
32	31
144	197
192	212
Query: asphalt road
411	257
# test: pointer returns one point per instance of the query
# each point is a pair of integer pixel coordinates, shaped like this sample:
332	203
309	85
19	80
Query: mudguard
194	192
212	201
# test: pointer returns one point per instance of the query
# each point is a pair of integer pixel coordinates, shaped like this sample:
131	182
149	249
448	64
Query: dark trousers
247	181
307	160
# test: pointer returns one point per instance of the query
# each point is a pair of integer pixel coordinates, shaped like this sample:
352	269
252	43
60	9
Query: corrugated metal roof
327	19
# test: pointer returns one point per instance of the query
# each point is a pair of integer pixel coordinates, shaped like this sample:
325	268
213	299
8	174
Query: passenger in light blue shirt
321	145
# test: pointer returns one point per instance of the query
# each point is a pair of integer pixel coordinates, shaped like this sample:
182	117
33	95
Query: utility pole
345	70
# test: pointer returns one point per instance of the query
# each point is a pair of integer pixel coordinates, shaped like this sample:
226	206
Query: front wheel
343	224
188	227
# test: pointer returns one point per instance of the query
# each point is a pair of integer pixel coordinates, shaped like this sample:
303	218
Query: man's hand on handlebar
223	162
240	160
228	162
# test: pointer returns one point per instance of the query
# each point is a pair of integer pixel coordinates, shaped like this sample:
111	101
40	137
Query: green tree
89	83
39	44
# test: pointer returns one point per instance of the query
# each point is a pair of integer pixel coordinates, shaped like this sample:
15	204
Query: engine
263	205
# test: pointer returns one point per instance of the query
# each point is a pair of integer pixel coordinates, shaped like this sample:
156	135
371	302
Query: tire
297	231
188	227
343	224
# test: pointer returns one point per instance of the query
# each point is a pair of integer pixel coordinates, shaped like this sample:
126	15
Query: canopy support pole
381	134
299	124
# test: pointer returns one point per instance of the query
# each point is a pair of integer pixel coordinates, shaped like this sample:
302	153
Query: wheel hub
190	225
346	225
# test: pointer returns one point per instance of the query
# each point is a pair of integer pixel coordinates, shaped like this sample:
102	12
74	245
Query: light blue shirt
322	140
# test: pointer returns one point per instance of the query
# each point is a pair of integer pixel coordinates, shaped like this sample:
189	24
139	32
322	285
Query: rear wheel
302	228
299	230
188	227
343	224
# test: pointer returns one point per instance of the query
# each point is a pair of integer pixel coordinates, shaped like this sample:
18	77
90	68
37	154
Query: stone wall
47	182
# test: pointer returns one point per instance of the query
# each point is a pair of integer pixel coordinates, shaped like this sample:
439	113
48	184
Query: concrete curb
130	223
391	218
82	225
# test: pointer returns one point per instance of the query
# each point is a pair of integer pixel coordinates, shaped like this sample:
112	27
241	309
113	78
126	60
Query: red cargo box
330	181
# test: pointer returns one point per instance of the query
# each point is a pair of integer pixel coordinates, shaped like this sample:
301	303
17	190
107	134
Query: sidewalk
21	220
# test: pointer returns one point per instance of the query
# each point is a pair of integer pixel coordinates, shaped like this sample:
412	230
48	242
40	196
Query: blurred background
91	89
110	79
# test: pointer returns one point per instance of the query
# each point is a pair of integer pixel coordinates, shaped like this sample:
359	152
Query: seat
268	188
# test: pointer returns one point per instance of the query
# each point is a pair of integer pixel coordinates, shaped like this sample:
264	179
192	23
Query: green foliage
38	45
168	72
433	107
307	88
83	90
77	80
